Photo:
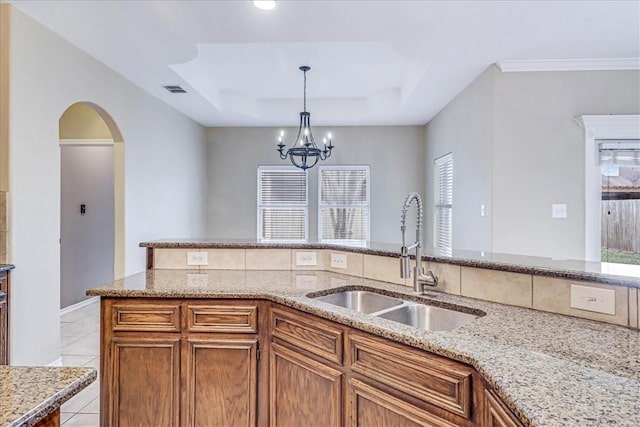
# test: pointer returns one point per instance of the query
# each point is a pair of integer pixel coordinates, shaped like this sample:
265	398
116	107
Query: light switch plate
197	258
559	210
306	258
593	299
339	260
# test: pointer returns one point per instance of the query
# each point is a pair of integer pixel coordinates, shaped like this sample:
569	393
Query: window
443	191
283	206
343	205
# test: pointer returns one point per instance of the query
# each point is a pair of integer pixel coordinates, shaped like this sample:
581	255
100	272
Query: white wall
394	154
165	184
515	143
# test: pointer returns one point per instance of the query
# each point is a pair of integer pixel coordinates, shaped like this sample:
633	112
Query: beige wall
80	121
394	154
516	145
164	173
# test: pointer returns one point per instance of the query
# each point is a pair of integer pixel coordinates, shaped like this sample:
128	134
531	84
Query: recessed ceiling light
264	4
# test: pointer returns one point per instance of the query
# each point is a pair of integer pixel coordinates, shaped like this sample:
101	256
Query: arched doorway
91	201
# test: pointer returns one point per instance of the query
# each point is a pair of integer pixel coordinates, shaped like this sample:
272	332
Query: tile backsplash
524	290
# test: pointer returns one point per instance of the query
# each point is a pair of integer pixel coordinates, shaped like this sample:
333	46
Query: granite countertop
6	267
562	268
29	394
551	370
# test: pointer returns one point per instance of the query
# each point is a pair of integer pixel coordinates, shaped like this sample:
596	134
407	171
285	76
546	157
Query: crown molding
622	126
607	64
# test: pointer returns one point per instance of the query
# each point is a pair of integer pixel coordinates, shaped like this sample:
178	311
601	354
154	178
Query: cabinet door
222	382
143	385
370	406
495	414
303	391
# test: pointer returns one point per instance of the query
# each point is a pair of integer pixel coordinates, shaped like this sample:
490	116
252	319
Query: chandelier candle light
304	153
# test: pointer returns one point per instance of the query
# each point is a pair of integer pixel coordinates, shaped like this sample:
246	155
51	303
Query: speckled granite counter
6	267
551	370
565	269
29	394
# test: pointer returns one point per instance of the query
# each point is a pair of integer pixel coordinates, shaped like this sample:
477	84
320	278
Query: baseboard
78	305
57	362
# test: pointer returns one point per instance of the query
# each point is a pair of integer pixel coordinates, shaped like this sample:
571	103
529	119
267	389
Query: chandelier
304	153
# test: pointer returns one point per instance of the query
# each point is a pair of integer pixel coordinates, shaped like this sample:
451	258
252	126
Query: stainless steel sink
428	317
361	301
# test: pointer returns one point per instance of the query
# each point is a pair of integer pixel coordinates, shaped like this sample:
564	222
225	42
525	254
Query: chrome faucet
420	278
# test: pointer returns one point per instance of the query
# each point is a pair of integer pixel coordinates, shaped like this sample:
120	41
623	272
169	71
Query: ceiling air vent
175	89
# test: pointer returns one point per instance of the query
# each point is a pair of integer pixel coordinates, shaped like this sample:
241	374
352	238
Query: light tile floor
80	342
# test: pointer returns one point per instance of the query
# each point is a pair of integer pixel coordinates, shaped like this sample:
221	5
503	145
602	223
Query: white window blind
283	204
443	227
619	153
343	206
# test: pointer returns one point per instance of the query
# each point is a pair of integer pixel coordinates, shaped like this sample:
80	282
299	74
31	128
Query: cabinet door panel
371	406
496	415
145	382
222	388
303	391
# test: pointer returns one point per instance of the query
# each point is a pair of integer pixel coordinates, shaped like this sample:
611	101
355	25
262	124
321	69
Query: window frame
367	206
260	206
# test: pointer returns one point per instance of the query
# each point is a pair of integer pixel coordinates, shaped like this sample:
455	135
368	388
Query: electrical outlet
197	258
559	210
339	260
198	280
306	258
593	299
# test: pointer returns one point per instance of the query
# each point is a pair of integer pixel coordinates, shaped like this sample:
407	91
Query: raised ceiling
373	62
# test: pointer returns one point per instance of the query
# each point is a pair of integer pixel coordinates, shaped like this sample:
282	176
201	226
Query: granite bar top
6	267
29	394
551	370
566	269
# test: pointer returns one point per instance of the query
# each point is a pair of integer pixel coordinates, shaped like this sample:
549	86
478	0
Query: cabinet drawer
433	379
230	319
307	333
146	317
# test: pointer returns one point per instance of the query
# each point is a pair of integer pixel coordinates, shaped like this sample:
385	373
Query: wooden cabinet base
172	362
51	420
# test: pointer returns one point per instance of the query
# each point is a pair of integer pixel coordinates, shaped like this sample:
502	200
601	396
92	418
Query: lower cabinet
180	362
303	391
222	382
247	363
145	377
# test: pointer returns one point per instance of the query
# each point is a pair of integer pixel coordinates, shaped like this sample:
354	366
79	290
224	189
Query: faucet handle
405	266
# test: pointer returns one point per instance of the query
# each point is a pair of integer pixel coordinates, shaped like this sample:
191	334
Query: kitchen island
534	368
31	396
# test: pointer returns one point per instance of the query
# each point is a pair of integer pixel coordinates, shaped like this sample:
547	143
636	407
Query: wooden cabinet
303	390
244	363
4	318
496	414
180	362
434	388
306	364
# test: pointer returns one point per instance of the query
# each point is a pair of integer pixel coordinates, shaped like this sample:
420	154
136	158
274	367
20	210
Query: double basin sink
421	316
